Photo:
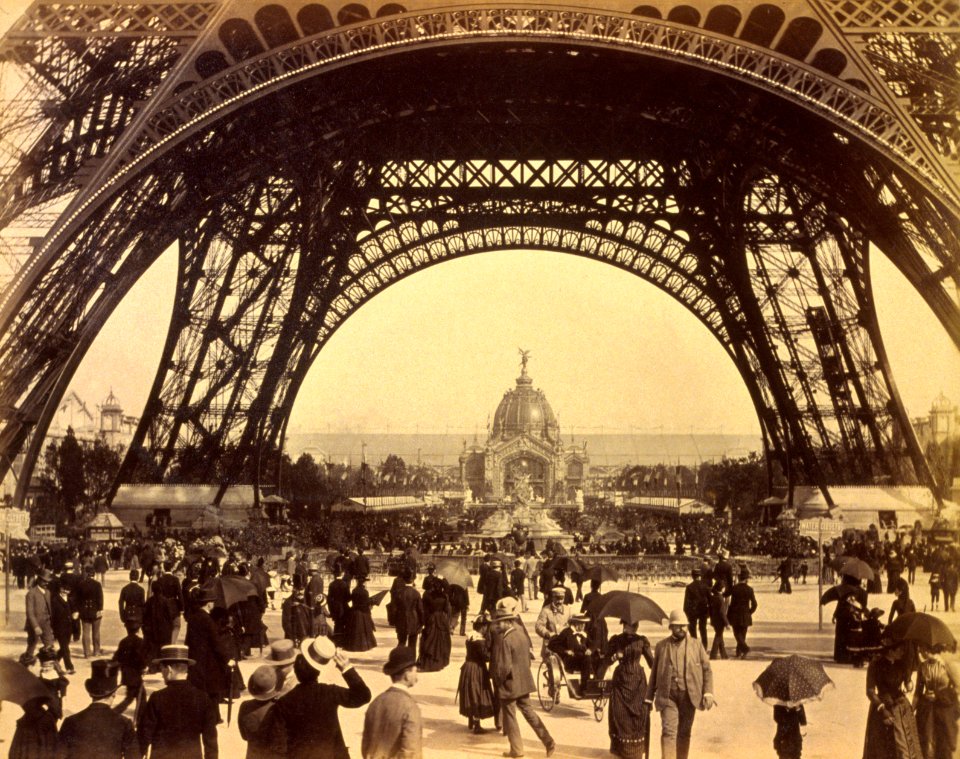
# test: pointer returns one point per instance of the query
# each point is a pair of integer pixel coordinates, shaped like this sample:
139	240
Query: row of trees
75	478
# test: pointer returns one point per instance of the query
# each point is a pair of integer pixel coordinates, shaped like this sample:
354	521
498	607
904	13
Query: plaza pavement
740	727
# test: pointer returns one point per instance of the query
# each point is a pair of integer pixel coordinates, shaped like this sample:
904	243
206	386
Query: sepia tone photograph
422	380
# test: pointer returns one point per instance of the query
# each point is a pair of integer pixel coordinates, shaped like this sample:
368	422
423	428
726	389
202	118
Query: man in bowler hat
392	728
179	721
98	731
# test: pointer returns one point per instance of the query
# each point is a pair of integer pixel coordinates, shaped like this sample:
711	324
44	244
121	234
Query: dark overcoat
208	649
97	732
510	665
176	720
743	603
408	614
307	717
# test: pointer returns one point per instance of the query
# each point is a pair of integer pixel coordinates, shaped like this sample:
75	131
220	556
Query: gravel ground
740	726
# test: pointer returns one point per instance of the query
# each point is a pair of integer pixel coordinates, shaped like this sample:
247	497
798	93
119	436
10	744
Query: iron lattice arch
743	173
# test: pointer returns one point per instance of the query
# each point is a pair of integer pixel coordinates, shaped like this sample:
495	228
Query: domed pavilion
524	457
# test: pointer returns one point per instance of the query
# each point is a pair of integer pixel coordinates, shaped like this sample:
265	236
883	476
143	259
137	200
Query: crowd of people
175	583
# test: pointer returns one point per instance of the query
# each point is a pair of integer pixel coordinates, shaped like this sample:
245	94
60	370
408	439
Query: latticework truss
747	159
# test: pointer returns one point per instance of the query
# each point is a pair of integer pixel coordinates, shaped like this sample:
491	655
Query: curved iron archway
767	181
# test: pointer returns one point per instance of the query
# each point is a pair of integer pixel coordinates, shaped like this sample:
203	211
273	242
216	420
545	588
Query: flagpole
819	572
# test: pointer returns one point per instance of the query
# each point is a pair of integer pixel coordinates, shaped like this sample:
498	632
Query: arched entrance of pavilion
777	229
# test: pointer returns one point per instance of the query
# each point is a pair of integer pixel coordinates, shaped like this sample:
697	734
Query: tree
101	463
70	473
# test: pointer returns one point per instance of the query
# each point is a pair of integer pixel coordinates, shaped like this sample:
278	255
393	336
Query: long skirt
359	633
435	643
629	716
898	740
475	692
937	726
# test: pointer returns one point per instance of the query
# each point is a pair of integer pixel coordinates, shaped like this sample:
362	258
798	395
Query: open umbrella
853	567
231	590
792	681
837	593
601	573
454	572
921	628
623	604
568	565
376	598
18	684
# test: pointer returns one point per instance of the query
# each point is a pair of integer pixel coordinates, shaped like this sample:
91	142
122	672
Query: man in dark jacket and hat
39	625
88	598
513	682
408	612
172	590
307	715
743	603
132	600
213	660
98	731
696	605
338	600
179	721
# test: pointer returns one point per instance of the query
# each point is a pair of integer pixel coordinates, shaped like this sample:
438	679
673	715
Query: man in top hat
307	716
573	646
39	624
681	682
391	727
492	585
513	682
213	665
696	605
743	603
180	720
98	731
260	733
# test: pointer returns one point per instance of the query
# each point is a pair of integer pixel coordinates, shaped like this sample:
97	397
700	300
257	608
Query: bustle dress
435	641
475	689
629	717
359	633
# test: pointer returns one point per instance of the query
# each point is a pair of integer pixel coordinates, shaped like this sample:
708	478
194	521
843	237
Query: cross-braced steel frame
303	158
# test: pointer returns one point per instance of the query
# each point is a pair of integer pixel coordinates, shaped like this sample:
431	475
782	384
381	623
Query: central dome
525	410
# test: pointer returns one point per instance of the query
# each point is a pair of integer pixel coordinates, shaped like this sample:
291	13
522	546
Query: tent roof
378	504
106	519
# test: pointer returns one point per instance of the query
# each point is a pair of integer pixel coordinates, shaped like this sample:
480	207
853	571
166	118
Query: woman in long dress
359	633
628	725
891	726
936	704
435	642
475	689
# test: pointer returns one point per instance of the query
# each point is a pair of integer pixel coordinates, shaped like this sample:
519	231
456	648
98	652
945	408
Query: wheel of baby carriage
547	691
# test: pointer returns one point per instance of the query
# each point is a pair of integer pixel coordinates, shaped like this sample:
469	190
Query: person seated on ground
573	647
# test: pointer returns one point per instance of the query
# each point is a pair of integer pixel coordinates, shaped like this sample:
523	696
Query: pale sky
437	350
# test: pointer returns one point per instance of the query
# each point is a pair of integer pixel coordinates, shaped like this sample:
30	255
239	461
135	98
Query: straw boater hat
400	658
318	651
282	653
103	678
264	683
174	653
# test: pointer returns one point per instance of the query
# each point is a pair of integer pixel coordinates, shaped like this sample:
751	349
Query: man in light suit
513	682
681	682
391	727
39	623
